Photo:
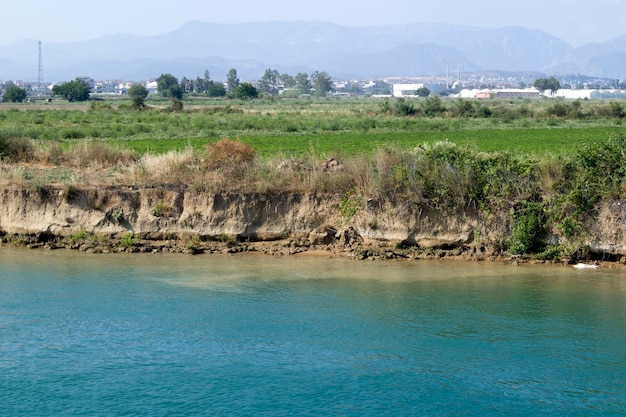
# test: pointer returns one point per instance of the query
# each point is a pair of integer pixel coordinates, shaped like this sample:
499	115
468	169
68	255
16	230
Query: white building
522	93
591	94
406	90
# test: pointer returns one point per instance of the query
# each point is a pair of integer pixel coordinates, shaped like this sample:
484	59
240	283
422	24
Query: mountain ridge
402	50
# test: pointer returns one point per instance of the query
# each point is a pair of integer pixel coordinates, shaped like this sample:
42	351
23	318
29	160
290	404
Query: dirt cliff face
161	213
608	229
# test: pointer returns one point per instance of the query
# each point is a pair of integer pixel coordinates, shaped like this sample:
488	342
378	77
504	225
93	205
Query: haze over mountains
344	52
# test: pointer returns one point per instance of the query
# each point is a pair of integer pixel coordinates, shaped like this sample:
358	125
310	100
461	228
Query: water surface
157	335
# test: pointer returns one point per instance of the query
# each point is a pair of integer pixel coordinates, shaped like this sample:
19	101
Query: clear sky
575	21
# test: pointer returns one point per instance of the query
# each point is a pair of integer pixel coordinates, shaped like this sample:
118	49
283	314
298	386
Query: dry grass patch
97	154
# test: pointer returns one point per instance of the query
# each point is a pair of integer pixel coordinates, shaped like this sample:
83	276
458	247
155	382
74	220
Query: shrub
617	109
596	172
228	153
463	108
403	108
129	240
350	204
16	149
529	230
433	106
72	134
176	105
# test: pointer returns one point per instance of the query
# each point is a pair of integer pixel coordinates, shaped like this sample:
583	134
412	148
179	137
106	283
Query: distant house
523	93
151	86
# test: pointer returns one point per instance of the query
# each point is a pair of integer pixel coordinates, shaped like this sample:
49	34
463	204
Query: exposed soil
132	219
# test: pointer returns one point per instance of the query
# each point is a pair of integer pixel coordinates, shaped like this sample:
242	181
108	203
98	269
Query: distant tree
14	94
175	92
322	83
543	84
422	92
215	89
246	91
381	87
303	85
186	85
269	82
201	85
287	80
138	94
167	86
232	80
176	105
352	87
77	90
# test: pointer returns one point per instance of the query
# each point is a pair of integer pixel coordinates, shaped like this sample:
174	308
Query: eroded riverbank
133	219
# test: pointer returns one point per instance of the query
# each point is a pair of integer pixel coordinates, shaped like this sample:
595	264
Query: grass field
297	127
530	141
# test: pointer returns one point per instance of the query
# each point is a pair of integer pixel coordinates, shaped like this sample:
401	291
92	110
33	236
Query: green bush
529	228
129	240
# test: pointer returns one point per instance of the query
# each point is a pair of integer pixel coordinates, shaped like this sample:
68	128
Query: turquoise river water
212	335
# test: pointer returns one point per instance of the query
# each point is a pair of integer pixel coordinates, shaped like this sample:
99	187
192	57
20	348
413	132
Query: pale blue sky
574	21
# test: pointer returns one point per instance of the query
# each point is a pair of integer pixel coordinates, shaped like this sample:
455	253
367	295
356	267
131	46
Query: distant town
465	86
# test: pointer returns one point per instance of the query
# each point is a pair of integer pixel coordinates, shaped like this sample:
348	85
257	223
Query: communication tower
40	76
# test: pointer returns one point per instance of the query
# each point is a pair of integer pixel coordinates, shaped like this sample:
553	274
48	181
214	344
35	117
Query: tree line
272	83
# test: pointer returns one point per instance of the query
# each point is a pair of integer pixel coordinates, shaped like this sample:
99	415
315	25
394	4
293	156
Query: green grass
530	141
321	127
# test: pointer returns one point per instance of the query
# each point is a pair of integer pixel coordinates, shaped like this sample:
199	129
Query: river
247	335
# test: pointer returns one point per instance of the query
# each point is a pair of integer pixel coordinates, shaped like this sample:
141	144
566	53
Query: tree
138	94
201	85
303	85
14	94
167	86
269	82
246	91
232	80
186	85
422	92
381	87
215	89
543	84
322	83
287	80
77	90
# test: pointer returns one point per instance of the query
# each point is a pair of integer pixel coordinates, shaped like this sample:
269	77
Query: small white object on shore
585	266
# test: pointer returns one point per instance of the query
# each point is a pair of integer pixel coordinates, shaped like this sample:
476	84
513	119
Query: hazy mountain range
290	47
